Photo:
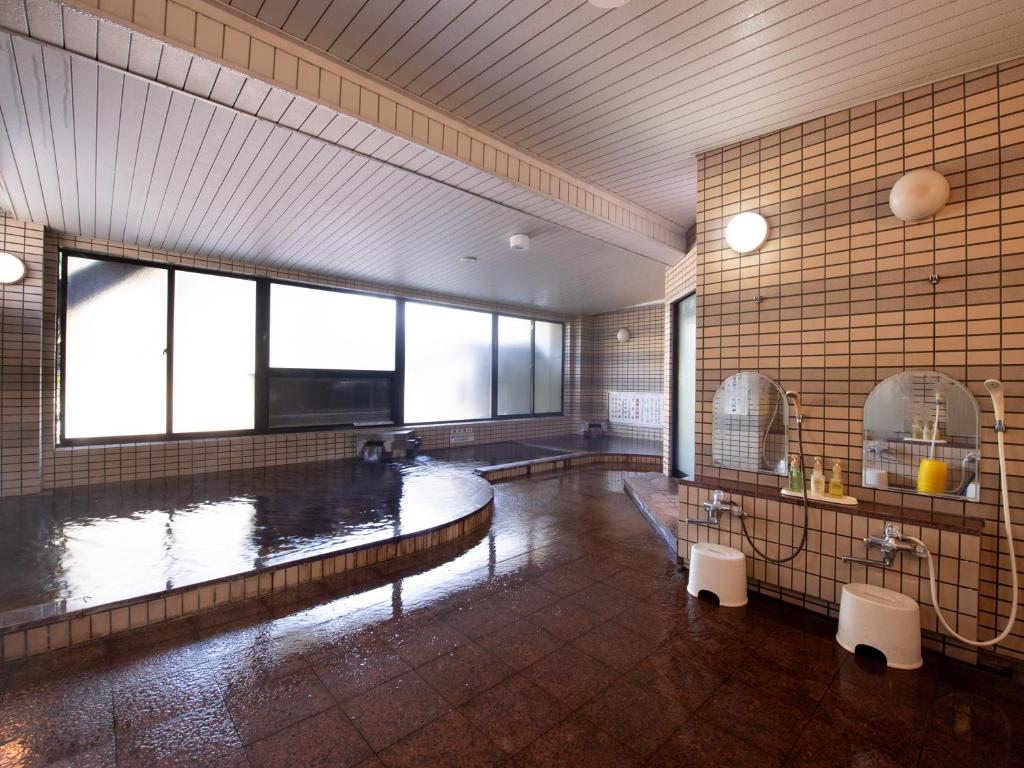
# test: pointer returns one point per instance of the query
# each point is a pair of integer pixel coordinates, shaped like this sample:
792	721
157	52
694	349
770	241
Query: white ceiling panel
94	151
624	98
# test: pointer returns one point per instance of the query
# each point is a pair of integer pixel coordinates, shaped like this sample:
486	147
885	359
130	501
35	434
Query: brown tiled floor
564	637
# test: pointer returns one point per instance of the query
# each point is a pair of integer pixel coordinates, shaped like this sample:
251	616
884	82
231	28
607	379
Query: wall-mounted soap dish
846	501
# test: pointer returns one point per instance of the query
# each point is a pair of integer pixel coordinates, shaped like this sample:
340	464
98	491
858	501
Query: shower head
793	395
995	391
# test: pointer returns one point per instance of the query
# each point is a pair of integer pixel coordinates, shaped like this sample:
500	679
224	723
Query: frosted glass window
311	328
115	337
214	353
686	386
514	365
447	364
547	367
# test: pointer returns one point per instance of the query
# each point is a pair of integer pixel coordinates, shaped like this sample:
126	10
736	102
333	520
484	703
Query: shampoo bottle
818	477
835	485
796	475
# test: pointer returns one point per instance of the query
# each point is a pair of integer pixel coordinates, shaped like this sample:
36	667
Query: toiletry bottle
818	477
918	429
796	475
835	485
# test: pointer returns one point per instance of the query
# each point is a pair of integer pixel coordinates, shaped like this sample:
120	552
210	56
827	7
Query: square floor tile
633	716
514	712
271	705
325	739
576	742
451	741
395	709
615	645
463	673
565	620
570	675
347	672
520	644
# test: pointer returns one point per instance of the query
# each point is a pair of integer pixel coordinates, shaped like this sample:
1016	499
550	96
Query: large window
115	342
447	363
151	352
313	328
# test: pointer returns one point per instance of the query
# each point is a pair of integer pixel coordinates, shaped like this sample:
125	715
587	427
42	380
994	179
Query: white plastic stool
719	570
879	618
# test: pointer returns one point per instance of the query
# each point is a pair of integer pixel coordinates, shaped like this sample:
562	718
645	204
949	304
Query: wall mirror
922	435
750	418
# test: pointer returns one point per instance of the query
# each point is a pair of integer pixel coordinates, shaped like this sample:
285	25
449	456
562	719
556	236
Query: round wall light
12	269
919	194
623	335
746	232
519	242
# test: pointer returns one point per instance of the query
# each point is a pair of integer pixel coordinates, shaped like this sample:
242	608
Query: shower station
922	435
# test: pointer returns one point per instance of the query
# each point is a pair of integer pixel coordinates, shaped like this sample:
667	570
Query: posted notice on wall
635	409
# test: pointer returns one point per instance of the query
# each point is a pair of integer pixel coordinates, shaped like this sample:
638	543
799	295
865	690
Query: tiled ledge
47	634
940	520
521	469
657	498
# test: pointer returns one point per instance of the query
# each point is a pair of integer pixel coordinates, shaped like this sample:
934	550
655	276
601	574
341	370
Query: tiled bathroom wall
632	366
31	460
839	297
21	345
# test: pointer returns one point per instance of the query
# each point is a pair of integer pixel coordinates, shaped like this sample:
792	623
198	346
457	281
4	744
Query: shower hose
1007	527
803	536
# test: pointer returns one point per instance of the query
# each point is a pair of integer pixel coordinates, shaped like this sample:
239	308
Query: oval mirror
750	418
922	435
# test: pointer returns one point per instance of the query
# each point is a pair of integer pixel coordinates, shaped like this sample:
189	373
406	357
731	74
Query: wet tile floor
562	637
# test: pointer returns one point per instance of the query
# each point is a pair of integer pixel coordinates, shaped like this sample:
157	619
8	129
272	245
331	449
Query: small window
447	363
325	400
547	367
515	366
319	329
115	343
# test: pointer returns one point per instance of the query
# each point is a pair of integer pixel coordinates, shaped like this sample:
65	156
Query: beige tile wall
21	345
636	365
845	299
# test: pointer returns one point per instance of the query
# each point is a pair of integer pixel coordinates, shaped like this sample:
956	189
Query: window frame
263	373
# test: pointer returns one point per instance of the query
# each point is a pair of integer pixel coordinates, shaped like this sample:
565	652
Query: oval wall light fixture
12	269
918	194
746	232
623	335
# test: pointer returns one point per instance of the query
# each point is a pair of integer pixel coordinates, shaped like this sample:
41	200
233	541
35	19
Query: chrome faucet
715	506
890	542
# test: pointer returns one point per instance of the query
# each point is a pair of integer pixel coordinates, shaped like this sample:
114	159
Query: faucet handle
892	530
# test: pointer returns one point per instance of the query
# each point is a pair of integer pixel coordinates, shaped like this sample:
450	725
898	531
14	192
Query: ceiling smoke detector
519	242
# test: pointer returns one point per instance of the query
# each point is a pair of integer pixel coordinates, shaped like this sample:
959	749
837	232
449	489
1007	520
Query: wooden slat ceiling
624	98
91	150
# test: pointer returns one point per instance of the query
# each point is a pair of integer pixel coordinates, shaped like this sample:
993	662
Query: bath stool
879	618
720	570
